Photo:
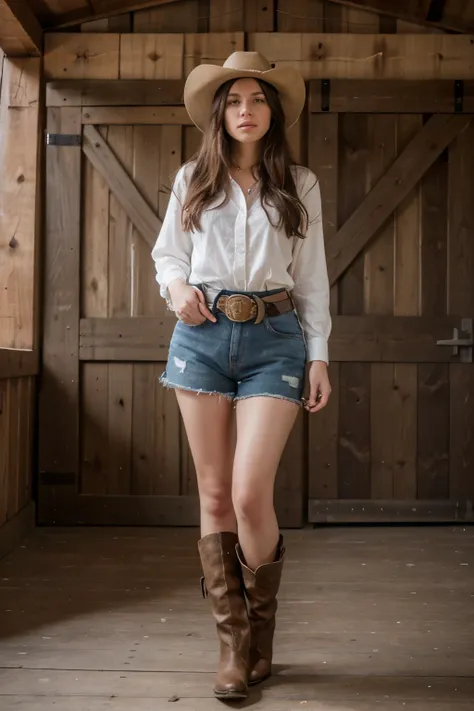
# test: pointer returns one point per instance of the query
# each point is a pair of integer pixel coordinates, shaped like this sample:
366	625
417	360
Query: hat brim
204	80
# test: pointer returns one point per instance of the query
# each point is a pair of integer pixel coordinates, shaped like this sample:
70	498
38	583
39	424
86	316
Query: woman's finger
203	307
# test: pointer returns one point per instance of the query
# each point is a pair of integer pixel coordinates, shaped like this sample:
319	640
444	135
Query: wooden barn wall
19	112
131	440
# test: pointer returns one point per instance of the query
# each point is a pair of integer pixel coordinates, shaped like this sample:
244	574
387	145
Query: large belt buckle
240	308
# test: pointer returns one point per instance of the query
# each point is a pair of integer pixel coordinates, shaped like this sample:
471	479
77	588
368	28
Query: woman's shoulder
184	174
304	178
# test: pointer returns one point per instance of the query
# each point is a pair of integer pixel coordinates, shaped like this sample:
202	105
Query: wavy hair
214	158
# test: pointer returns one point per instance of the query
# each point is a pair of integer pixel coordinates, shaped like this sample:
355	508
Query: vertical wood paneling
176	17
323	428
156	437
120	398
354	431
379	258
461	302
151	56
259	15
14	443
434	231
433	431
59	394
94	428
354	141
407	232
300	15
226	15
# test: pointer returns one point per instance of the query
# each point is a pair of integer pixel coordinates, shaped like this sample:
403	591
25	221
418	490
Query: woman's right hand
189	303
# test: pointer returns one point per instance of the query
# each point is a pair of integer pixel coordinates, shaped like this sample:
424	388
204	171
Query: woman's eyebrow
254	93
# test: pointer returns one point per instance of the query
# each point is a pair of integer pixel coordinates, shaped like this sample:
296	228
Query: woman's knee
251	505
215	500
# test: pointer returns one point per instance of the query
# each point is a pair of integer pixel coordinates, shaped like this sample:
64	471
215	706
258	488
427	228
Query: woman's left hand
319	386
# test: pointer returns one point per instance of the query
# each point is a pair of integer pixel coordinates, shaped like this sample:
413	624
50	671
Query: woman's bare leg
263	426
208	420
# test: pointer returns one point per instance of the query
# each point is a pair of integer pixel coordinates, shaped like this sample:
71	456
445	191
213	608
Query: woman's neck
246	155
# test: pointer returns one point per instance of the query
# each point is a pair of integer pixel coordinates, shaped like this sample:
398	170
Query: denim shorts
239	360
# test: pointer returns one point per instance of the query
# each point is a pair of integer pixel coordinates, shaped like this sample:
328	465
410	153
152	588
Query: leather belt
241	308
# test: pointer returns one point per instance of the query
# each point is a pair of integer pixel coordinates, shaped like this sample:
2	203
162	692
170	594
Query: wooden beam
102	8
136	115
115	92
390	190
17	363
103	159
20	32
369	339
423	12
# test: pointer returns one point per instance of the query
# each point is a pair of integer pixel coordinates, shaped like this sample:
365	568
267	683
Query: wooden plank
323	441
128	115
156	441
300	16
81	56
433	431
20	32
391	339
182	16
101	9
151	56
354	431
19	131
226	15
121	185
59	394
323	149
126	339
15	363
94	428
382	96
388	511
120	403
353	152
397	182
115	92
379	257
259	15
4	447
434	238
14	447
407	287
416	12
210	48
354	338
369	56
461	302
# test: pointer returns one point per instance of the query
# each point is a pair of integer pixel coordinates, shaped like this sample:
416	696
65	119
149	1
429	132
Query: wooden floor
370	617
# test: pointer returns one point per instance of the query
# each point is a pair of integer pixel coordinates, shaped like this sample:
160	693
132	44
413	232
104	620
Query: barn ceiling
23	21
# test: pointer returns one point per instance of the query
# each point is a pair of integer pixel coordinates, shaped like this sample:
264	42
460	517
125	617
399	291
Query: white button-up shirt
239	249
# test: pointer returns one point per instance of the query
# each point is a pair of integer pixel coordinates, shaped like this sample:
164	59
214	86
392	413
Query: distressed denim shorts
239	360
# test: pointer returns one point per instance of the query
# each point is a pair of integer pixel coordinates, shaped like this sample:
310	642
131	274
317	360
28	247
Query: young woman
240	259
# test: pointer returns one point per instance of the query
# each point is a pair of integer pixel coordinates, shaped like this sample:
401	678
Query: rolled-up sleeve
173	248
309	272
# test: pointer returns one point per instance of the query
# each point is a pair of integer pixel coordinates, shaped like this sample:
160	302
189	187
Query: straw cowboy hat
204	80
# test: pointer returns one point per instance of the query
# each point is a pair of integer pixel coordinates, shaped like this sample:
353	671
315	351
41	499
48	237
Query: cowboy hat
204	80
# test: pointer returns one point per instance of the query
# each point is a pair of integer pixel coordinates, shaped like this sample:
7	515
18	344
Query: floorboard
96	619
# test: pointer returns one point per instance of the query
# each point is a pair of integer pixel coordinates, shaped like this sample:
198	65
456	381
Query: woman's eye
232	102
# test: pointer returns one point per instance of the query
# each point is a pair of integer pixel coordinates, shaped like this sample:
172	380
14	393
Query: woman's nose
245	108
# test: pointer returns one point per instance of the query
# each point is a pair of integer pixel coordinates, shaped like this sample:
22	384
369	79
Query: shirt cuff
164	292
317	349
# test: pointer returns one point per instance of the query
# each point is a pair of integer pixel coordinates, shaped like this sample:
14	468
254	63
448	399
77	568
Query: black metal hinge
458	96
325	94
63	139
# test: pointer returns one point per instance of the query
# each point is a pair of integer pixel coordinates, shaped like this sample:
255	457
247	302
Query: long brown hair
214	158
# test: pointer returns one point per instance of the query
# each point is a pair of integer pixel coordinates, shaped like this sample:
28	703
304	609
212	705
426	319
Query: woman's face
247	114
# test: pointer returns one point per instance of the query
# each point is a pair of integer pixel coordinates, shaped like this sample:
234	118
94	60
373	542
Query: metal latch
461	342
63	139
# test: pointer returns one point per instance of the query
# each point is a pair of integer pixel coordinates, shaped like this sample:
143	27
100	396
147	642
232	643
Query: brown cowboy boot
261	588
223	583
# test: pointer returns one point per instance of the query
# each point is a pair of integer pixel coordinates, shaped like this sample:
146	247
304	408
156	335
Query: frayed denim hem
273	395
199	391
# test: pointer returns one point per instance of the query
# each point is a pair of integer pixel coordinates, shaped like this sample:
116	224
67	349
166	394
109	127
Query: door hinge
63	139
461	342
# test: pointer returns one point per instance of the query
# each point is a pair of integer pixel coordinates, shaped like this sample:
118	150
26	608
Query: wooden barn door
112	446
396	165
